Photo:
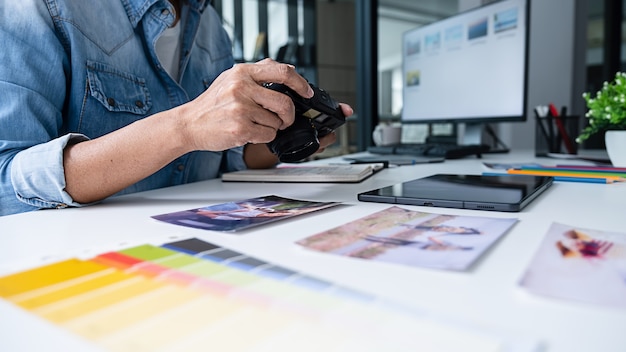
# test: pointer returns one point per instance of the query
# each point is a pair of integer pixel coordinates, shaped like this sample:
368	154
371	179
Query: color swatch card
191	295
413	238
243	214
580	264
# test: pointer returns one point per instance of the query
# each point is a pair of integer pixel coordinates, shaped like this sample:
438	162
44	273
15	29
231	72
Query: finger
260	105
261	134
276	104
255	130
268	118
271	71
328	140
346	109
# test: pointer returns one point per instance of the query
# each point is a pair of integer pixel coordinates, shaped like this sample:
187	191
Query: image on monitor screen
471	67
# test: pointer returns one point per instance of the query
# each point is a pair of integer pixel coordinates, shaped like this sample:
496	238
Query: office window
606	48
246	21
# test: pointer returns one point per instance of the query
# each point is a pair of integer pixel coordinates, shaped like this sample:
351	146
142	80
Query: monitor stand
472	134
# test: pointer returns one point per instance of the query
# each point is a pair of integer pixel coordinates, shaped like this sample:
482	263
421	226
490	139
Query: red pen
553	111
559	124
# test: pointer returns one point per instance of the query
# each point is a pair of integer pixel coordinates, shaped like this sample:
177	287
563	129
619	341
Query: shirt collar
136	9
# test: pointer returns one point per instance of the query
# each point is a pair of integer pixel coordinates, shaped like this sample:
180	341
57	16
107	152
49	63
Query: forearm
103	166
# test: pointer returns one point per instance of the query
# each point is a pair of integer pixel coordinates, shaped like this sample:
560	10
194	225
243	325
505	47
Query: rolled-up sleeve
38	177
33	92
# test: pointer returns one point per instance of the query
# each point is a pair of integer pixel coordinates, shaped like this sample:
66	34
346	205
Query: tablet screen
482	192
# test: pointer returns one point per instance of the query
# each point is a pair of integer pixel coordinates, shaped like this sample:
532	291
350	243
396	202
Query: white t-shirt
168	49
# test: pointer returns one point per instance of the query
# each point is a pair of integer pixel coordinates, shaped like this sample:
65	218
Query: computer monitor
469	68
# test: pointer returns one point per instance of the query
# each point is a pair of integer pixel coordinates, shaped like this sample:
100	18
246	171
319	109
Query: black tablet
479	192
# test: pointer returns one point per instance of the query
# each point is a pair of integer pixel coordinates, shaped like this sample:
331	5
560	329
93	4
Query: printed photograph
413	238
244	214
580	264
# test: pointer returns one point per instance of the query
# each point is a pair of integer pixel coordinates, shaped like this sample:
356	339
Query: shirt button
111	101
139	104
181	167
165	12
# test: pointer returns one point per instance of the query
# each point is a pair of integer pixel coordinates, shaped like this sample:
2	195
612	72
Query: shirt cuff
234	160
38	176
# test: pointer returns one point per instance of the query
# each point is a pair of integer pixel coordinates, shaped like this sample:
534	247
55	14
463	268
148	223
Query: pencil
567	179
584	179
592	168
572	171
563	174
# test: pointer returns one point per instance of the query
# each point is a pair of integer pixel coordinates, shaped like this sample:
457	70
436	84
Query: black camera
315	118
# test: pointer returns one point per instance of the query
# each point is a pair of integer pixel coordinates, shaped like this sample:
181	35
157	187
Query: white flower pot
616	147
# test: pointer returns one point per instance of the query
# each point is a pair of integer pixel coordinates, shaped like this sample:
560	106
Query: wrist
178	130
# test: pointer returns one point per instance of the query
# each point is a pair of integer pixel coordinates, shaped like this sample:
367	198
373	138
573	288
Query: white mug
385	134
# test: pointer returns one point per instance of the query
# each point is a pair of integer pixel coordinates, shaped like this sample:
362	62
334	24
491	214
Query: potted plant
607	112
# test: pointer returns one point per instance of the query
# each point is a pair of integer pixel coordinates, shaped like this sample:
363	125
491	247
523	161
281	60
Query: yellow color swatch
130	311
46	275
51	294
77	306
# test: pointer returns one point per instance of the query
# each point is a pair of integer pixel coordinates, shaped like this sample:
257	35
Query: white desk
487	295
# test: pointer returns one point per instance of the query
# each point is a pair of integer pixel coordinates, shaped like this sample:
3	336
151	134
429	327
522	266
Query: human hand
259	156
331	138
237	109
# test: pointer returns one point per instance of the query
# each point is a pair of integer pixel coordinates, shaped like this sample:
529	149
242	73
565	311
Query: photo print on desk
413	238
580	264
243	214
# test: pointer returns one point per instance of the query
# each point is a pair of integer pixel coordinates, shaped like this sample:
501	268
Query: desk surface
486	295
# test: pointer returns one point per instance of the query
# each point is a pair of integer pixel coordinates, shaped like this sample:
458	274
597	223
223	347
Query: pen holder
556	135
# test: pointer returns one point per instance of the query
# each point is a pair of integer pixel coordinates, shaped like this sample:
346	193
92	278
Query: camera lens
296	142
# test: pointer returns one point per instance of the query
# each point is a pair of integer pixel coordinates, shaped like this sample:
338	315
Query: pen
553	110
559	124
540	121
384	163
545	113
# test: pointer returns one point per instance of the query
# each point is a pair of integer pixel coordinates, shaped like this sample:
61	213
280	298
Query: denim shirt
73	70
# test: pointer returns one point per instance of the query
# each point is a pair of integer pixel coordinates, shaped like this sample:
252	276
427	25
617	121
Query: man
111	97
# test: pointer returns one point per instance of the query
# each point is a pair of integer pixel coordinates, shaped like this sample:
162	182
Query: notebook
480	192
304	174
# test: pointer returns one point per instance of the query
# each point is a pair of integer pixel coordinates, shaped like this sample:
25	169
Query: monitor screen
471	67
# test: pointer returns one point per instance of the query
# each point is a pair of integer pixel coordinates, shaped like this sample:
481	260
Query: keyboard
448	151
